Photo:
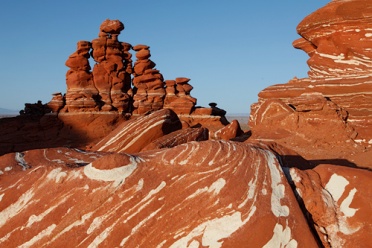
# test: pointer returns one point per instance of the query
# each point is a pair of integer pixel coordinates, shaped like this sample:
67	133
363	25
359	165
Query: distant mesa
4	111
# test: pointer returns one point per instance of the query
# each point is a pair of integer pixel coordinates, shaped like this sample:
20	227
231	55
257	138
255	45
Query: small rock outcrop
178	96
131	136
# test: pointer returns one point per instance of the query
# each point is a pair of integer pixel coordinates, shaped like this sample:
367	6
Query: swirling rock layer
227	193
338	200
333	107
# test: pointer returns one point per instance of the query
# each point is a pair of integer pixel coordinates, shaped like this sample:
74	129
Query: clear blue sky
231	50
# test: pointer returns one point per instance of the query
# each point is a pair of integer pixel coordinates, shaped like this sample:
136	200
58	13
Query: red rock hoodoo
98	100
127	160
108	87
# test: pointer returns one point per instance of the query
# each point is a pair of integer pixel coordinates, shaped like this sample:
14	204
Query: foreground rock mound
226	195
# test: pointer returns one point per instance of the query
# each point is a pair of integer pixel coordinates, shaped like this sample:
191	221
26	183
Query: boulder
111	26
337	200
228	132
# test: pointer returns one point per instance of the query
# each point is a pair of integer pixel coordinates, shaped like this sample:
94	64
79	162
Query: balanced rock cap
182	80
140	47
111	26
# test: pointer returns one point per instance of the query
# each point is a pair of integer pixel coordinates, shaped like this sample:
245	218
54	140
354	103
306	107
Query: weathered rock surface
133	135
178	96
108	86
79	130
81	91
219	193
152	179
332	108
148	83
228	132
321	126
178	137
338	200
337	39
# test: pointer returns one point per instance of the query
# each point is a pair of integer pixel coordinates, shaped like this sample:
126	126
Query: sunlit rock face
334	105
338	40
173	177
115	82
210	193
323	123
133	135
338	200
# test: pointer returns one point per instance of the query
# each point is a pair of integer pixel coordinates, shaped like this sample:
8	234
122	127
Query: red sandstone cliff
328	115
174	175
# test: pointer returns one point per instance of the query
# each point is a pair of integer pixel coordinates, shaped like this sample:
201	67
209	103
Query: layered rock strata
109	72
335	103
116	82
148	83
338	200
178	96
131	136
113	200
321	126
81	89
300	180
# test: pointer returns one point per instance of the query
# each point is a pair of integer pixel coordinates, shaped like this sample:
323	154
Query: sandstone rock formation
178	96
332	108
338	200
176	175
130	200
81	90
131	136
79	130
229	132
57	102
109	73
178	137
148	83
323	123
115	83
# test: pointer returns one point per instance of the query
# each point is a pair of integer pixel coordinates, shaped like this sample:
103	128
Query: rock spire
116	82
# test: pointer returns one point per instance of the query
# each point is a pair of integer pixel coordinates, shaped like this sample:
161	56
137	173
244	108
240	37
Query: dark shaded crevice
306	214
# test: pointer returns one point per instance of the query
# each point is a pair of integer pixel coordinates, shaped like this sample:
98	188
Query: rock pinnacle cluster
116	82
